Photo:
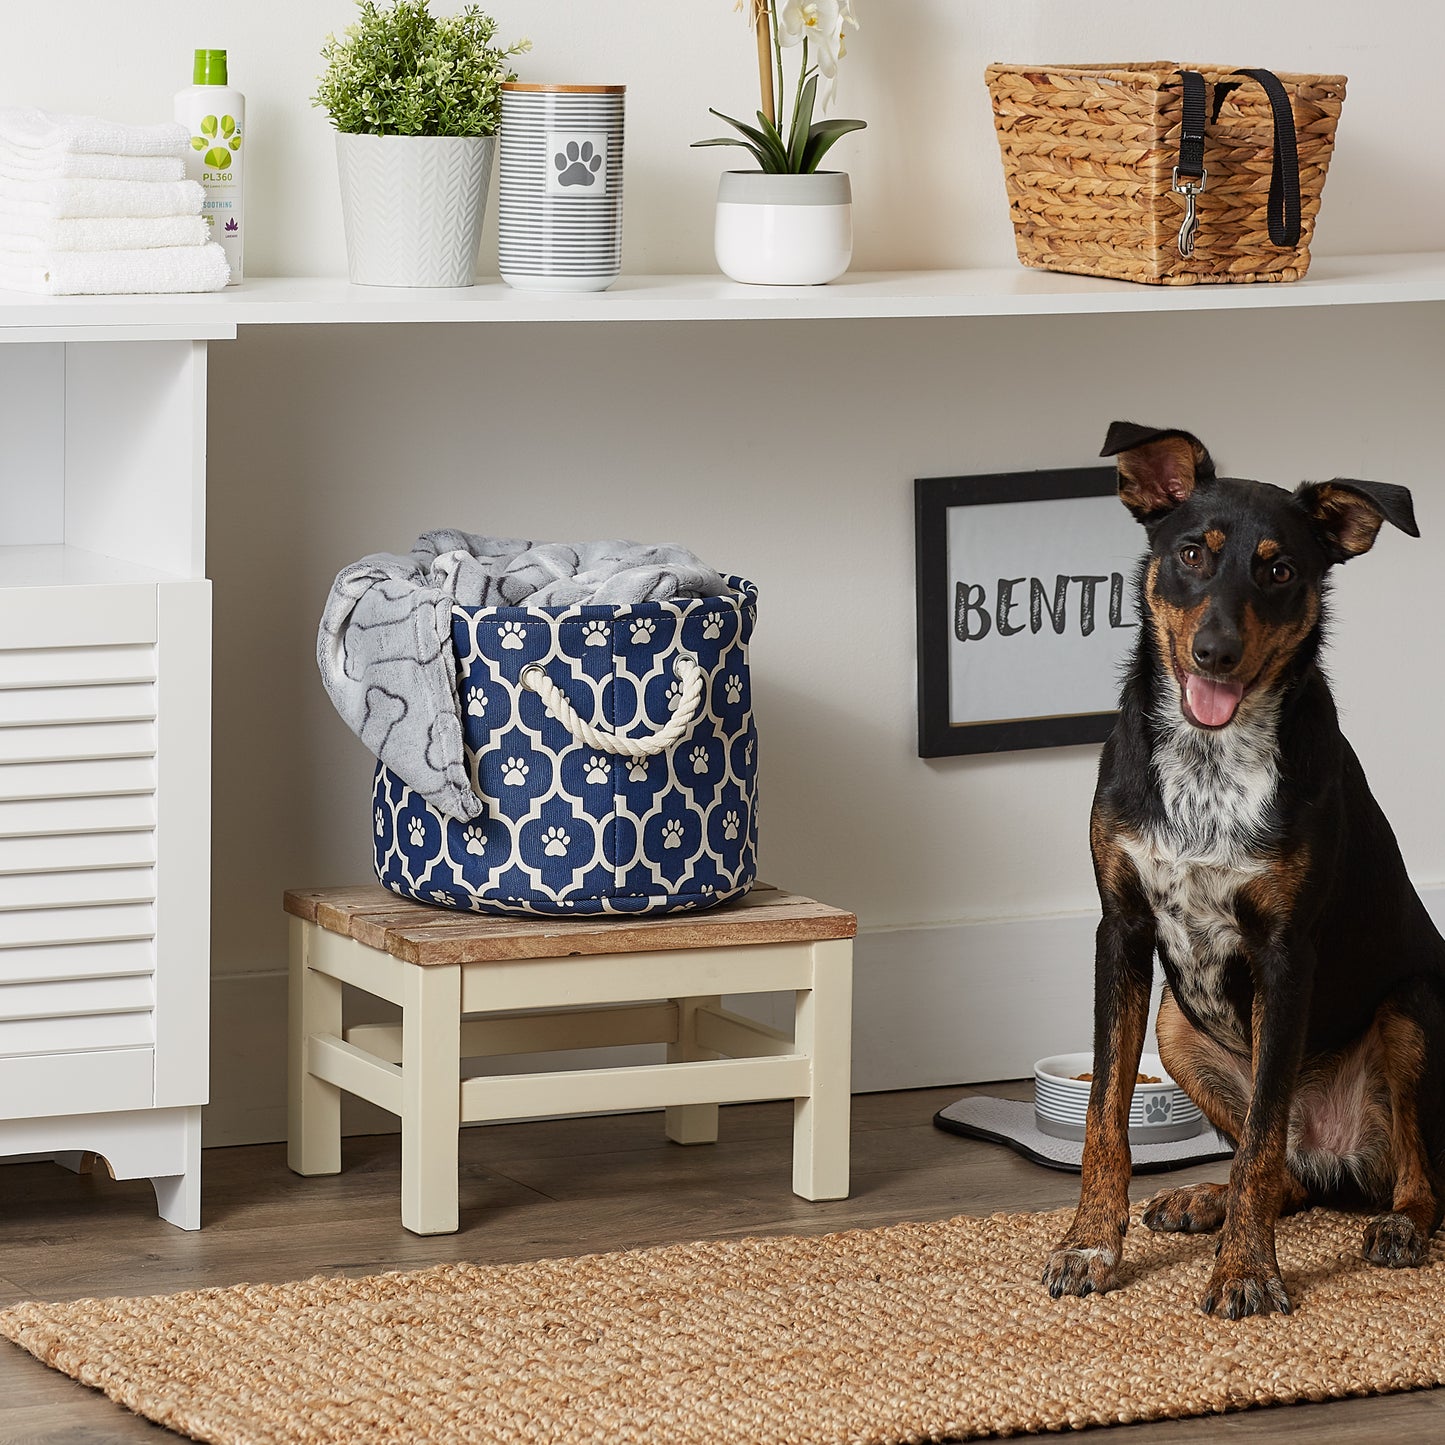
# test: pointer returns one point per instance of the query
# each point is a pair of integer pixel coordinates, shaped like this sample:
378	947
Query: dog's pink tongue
1211	703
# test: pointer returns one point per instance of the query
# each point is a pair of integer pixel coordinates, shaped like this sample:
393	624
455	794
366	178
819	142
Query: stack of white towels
91	207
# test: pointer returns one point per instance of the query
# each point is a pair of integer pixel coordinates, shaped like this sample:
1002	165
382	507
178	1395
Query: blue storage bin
615	756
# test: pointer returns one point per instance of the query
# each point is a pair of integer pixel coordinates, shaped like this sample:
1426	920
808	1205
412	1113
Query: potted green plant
415	99
789	223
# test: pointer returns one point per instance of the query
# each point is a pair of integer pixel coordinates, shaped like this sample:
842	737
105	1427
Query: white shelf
59	566
1009	291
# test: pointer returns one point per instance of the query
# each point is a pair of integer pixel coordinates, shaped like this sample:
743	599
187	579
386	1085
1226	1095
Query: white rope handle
688	673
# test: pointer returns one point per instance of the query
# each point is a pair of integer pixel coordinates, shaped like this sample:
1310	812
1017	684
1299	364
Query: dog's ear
1349	514
1158	469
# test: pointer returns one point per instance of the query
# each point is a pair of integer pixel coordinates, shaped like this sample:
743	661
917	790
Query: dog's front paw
1236	1293
1395	1241
1074	1269
1196	1209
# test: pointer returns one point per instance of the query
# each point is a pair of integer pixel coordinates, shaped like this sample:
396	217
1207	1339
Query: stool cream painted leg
431	1094
691	1123
823	1031
313	1105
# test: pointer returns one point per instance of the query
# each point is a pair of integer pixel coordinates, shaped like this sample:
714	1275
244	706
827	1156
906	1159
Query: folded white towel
163	269
100	233
52	200
34	129
55	164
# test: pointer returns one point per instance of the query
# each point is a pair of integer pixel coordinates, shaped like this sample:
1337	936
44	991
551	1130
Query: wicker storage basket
1089	157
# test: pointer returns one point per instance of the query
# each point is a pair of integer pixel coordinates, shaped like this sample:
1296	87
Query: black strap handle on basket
1190	176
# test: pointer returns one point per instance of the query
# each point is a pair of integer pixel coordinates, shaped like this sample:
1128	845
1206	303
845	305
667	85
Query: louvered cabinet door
99	827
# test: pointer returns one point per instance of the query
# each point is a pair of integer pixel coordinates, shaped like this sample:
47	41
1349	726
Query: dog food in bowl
1159	1113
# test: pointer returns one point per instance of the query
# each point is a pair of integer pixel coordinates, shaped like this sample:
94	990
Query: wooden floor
529	1191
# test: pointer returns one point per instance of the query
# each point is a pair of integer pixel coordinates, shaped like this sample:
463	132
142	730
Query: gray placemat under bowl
1011	1122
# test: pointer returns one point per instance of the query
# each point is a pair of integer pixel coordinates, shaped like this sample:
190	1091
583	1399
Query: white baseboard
946	1004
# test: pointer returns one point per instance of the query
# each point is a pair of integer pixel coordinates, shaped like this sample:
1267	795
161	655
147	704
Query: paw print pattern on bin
567	828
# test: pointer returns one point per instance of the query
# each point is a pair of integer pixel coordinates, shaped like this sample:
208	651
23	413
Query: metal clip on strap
1190	176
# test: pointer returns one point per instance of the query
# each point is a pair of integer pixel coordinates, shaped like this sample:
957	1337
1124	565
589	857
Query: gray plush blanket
385	642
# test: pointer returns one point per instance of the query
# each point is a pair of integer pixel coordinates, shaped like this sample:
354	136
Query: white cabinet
104	756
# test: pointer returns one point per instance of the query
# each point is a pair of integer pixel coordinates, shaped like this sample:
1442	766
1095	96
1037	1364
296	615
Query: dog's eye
1191	555
1281	573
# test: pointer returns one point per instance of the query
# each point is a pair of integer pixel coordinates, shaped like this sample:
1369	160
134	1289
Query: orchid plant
819	29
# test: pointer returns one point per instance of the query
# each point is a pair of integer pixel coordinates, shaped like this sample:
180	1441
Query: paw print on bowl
513	636
476	840
514	772
596	770
555	842
730	825
1157	1108
734	687
672	834
642	631
416	832
577	165
699	759
594	634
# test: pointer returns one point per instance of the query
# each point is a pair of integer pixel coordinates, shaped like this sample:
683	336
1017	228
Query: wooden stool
471	986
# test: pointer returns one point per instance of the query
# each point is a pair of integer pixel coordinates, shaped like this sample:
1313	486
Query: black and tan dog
1233	832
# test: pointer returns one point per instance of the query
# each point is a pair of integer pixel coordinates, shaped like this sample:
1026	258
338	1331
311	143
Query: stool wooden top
417	933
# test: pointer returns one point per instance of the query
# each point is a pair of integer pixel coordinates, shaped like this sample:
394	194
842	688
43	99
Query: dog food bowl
1158	1113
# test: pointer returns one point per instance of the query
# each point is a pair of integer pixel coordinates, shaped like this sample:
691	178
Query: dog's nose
1216	649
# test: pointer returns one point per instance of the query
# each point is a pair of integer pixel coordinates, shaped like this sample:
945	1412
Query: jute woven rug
918	1332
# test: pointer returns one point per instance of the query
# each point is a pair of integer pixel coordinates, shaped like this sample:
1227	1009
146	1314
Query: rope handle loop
685	668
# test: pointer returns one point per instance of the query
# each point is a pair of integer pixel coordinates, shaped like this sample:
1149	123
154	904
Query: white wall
926	171
785	451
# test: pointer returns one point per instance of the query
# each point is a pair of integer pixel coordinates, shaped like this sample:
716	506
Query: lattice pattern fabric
567	827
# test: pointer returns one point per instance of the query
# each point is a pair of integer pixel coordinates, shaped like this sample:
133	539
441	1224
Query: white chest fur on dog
1217	788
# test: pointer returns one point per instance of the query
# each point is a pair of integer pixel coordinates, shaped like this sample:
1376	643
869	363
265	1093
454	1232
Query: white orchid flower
823	24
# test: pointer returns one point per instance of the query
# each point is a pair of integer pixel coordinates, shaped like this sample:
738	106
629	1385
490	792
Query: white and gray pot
784	230
412	206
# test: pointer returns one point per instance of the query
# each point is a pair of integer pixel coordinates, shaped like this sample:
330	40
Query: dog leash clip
1191	190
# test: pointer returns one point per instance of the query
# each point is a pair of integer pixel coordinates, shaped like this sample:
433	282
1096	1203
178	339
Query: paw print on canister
734	687
712	628
513	636
698	758
380	823
514	772
596	770
555	842
476	840
476	703
642	631
594	634
730	825
577	165
672	834
416	833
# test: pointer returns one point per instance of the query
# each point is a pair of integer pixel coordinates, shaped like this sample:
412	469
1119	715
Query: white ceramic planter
412	206
784	230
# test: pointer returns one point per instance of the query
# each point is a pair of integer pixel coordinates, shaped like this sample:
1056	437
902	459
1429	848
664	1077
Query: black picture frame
938	735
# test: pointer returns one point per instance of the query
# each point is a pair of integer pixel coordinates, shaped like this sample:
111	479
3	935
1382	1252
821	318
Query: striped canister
559	220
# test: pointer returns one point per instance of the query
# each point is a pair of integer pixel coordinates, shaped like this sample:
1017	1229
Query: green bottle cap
210	68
